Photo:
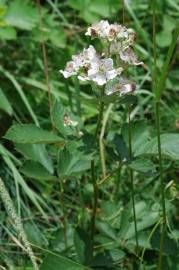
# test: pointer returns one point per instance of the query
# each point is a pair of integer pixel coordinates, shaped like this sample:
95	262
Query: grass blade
161	84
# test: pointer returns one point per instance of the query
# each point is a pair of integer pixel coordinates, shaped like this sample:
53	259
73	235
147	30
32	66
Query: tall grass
16	222
131	174
158	87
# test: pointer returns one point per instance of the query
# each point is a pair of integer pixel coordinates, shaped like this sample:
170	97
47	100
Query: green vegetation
88	179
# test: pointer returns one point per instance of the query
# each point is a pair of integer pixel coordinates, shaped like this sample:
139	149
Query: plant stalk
101	137
162	238
63	211
45	61
157	117
94	179
132	179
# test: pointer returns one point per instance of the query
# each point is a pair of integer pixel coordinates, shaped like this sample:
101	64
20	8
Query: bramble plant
105	69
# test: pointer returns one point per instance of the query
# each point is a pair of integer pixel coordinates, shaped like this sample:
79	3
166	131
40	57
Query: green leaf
140	135
35	170
169	146
58	114
106	229
29	133
120	147
4	103
83	246
142	165
169	23
81	4
57	262
21	14
36	152
161	85
35	235
104	8
72	162
170	245
127	99
58	37
146	217
7	33
164	38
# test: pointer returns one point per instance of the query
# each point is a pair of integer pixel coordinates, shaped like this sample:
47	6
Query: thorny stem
94	180
132	179
157	115
45	60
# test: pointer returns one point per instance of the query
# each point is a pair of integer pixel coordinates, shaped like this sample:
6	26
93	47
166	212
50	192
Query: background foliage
52	190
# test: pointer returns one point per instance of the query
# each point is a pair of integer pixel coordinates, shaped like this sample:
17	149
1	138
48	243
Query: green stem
101	137
157	116
100	117
162	238
94	180
63	211
142	266
132	180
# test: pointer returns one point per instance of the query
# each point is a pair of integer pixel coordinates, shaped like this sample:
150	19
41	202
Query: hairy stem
132	179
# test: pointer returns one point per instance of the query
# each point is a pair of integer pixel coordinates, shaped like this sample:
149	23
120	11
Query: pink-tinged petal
108	63
127	88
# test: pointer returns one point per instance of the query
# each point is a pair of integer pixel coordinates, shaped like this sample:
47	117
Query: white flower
67	121
99	29
122	86
102	71
111	32
80	64
70	69
129	57
116	47
85	57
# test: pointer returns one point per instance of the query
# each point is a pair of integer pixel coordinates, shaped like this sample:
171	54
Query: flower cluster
101	68
89	66
111	32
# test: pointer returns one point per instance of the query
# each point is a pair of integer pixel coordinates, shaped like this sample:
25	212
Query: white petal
111	74
127	88
83	78
95	64
108	63
88	32
91	52
100	79
67	74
